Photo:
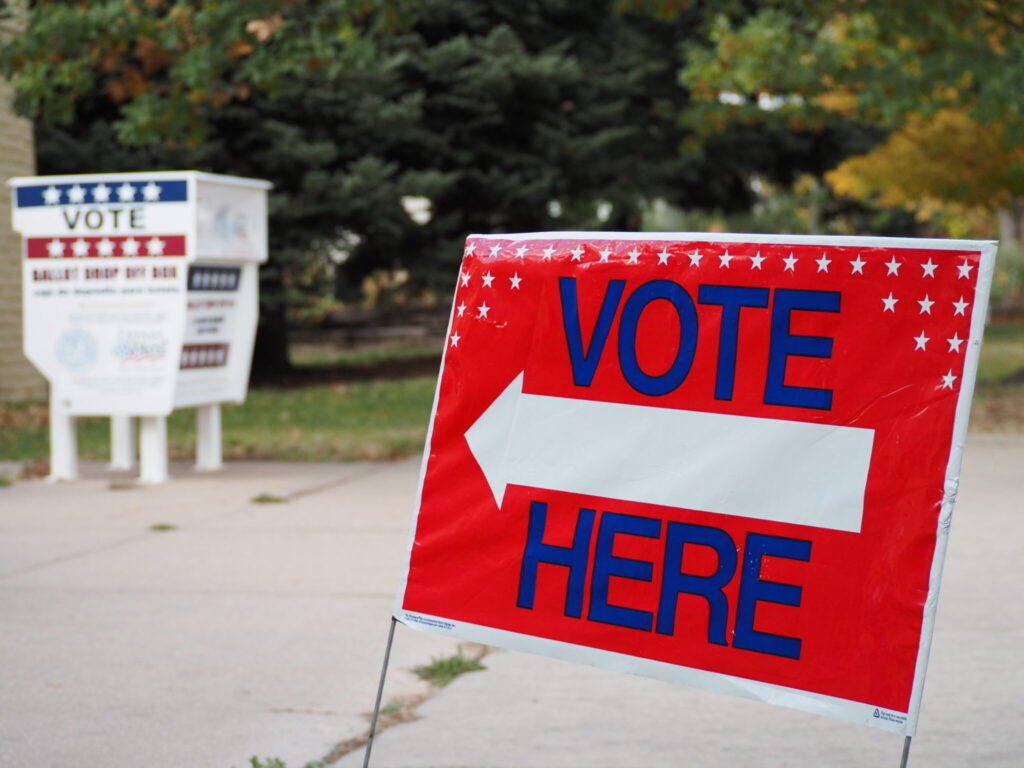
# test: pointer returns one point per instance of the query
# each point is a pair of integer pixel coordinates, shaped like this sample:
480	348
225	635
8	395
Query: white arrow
769	469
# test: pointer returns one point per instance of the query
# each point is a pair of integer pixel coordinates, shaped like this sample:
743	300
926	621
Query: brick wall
19	380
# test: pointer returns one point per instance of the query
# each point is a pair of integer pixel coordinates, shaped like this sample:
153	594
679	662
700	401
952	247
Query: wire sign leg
906	750
380	693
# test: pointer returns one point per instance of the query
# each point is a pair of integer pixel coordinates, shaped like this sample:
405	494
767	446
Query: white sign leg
122	442
63	442
152	449
208	438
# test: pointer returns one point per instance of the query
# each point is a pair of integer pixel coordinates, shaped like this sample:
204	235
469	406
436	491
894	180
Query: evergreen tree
505	116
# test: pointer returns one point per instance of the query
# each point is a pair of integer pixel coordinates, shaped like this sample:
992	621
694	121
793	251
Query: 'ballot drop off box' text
140	296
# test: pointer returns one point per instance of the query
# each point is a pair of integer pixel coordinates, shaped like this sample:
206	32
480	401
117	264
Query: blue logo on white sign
76	350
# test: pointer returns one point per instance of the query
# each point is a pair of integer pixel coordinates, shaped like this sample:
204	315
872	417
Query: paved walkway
247	629
257	629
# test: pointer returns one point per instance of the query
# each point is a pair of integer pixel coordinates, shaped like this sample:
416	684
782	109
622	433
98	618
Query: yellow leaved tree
947	167
945	79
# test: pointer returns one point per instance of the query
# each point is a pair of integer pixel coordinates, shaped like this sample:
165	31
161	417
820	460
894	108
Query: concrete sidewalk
247	629
532	711
258	629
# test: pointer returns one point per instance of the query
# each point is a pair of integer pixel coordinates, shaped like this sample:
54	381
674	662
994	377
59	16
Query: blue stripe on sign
108	192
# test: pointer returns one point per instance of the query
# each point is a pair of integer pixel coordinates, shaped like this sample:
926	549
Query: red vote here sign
723	461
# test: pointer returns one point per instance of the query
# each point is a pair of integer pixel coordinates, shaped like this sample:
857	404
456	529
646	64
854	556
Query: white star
663	255
151	192
695	258
965	269
80	247
823	263
515	280
948	379
470	249
461	309
605	253
126	193
101	193
548	252
929	268
483	309
488	279
495	250
633	256
926	305
921	340
790	263
755	261
577	253
725	258
890	303
130	247
858	265
893	266
105	247
55	248
954	343
155	246
455	339
521	252
76	194
464	278
51	195
960	306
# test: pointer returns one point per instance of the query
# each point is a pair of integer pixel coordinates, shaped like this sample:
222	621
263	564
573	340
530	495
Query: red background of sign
863	593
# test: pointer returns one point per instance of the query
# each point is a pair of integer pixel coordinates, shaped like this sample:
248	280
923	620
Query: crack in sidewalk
400	709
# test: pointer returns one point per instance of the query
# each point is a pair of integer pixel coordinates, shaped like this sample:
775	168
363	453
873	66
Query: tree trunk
270	361
1011	223
1011	243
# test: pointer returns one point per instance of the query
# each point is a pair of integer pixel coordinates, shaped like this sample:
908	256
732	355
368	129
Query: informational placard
104	288
119	314
728	461
219	332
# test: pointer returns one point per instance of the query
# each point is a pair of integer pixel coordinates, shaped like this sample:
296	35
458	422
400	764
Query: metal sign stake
906	752
380	692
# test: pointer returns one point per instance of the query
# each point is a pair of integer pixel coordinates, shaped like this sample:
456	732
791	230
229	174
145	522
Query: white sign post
140	296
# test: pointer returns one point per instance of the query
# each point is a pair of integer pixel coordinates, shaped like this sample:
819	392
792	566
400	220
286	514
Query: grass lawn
338	422
386	419
999	394
329	356
1002	353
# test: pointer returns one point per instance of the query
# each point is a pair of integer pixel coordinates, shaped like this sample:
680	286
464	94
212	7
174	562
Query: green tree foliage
166	62
882	60
905	66
505	116
273	89
947	163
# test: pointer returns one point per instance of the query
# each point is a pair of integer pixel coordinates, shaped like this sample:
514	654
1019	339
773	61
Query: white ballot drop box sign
140	296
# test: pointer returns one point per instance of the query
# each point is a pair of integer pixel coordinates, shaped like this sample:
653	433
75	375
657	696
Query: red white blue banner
107	191
726	461
106	247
